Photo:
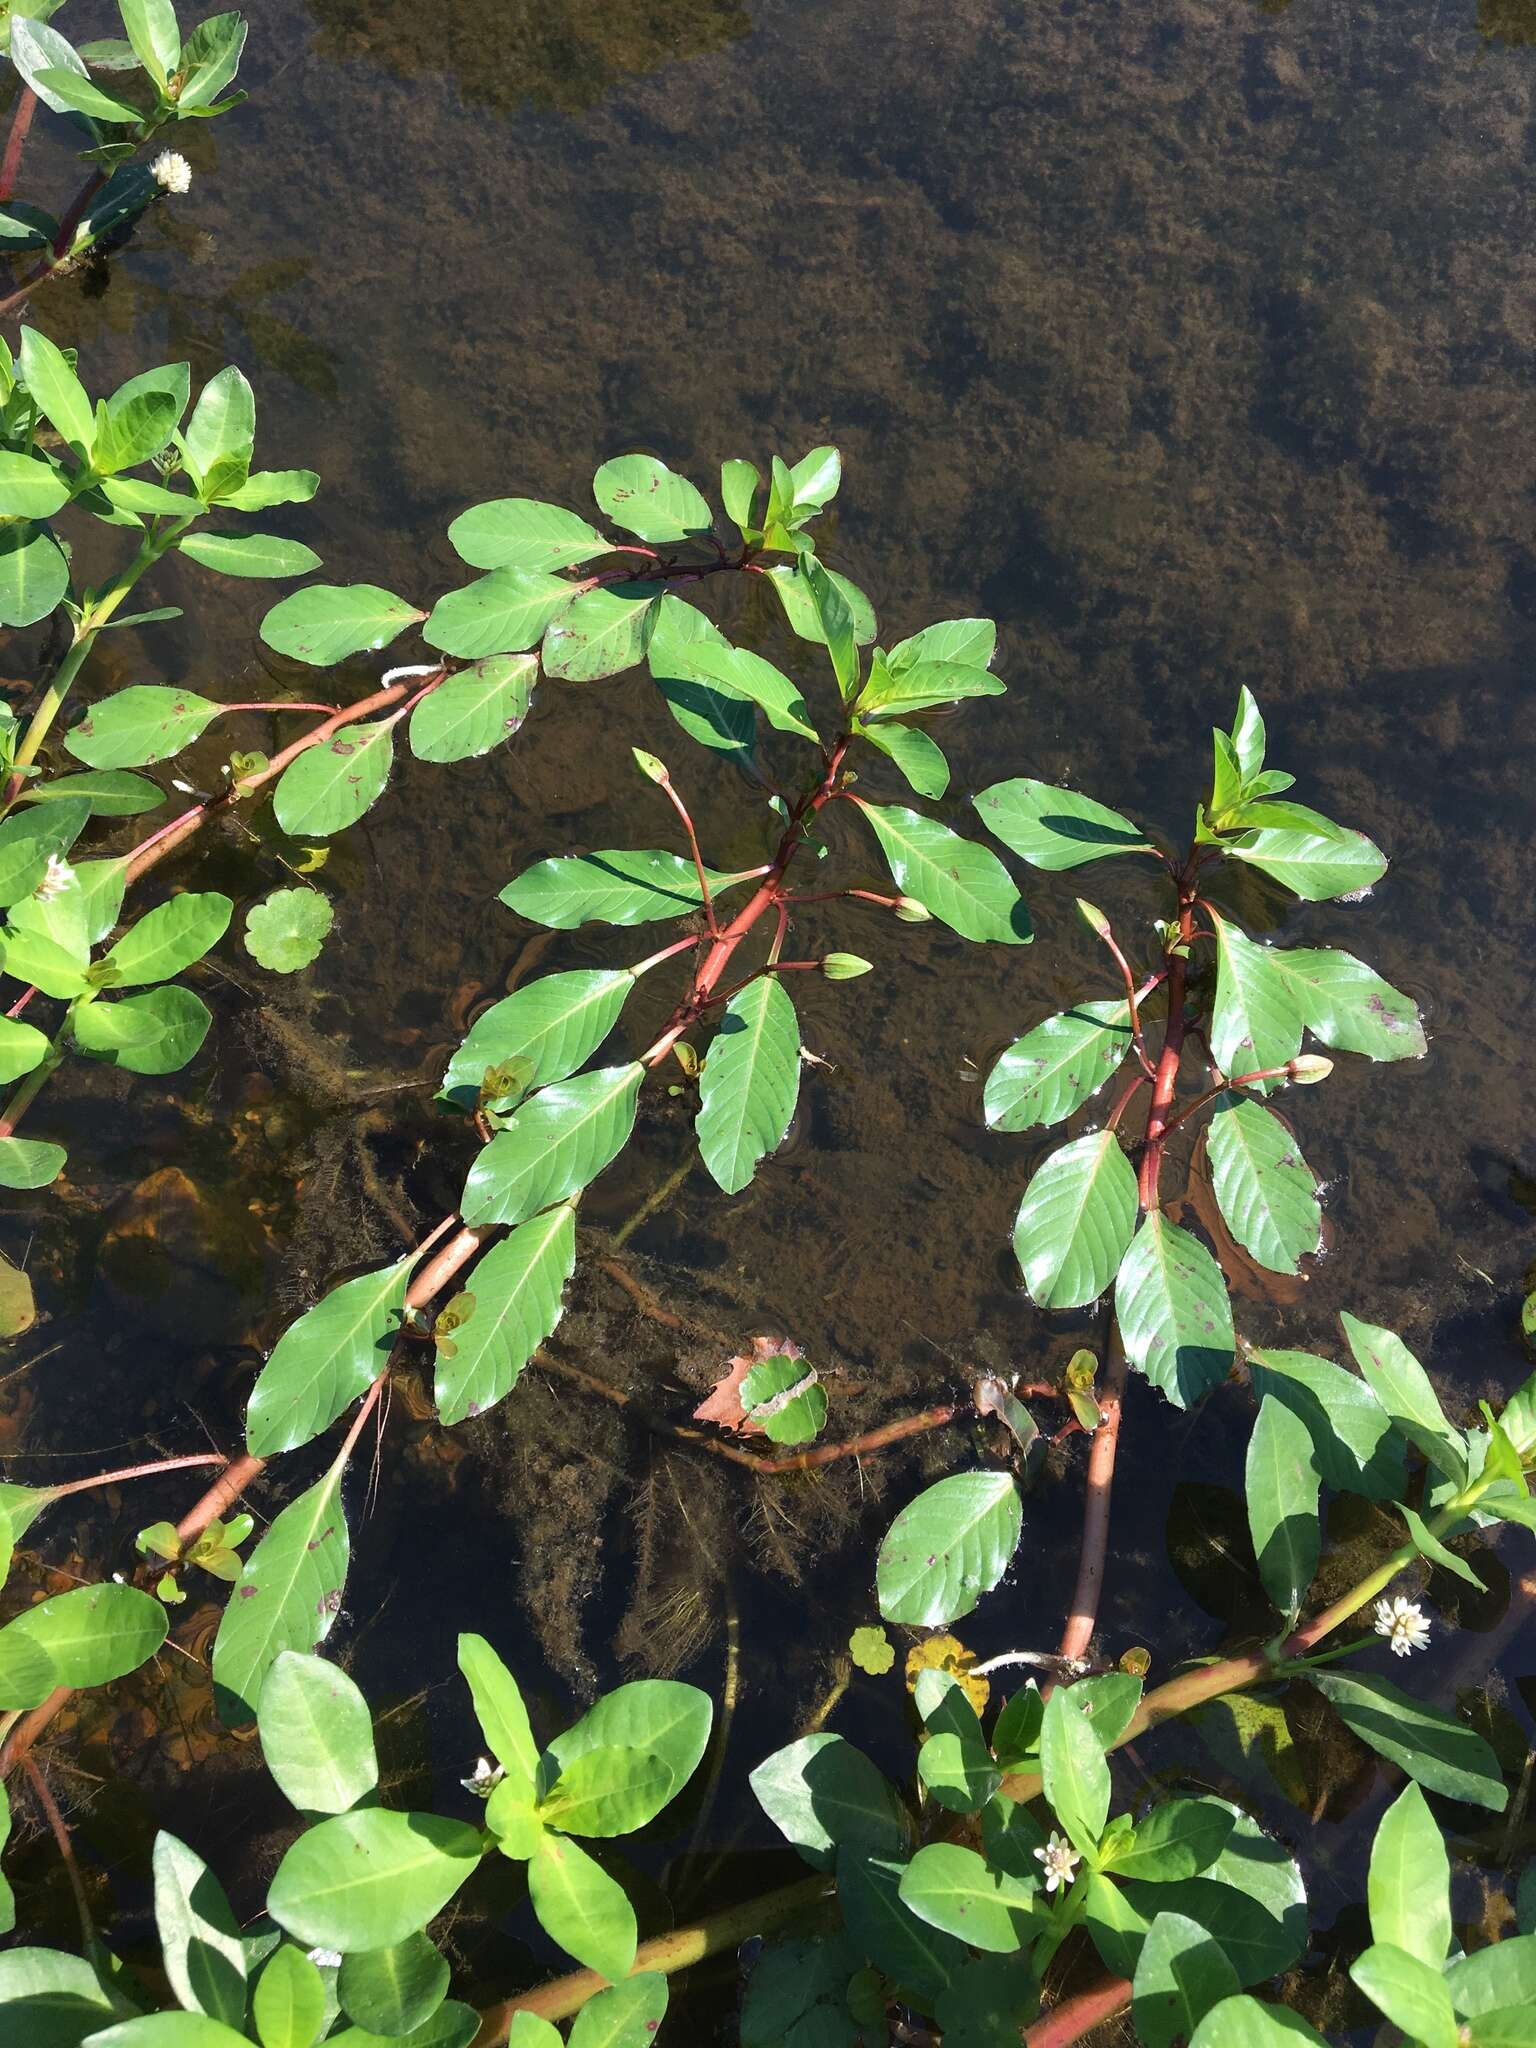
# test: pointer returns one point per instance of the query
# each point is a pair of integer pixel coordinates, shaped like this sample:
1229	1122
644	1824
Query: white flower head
325	1958
1060	1860
1404	1625
57	877
485	1779
171	171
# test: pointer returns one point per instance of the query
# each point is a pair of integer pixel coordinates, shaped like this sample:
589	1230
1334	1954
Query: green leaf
25	227
898	693
394	1990
620	887
51	384
740	673
29	838
34	576
1427	1544
519	1286
29	1163
1347	1005
967	643
289	2003
644	497
330	786
146	722
749	1083
551	1027
316	1734
222	429
529	2031
1492	1979
1054	1068
523	533
325	1360
30	489
1245	2023
953	1889
265	488
921	1960
199	1938
1172	1307
1514	2027
210	59
1256	1021
1251	1899
1266	1191
134	425
22	1047
27	1677
606	1792
1409	1888
1281	1489
919	758
110	793
476	710
816	477
561	1139
958	881
249	554
1355	1446
947	1548
834	616
723	723
369	1879
1073	1770
330	621
80	96
1404	1390
505	612
286	1598
800	607
1075	1221
1442	1754
133	494
604	631
286	930
582	1908
783	1396
1411	1994
1180	1975
954	1764
155	1033
498	1707
51	2000
659	1716
96	1633
1314	858
1055	828
1177	1840
627	2016
821	1793
54	967
1112	1923
168	939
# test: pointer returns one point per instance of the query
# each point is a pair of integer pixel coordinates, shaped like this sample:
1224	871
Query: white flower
171	171
1060	1860
1403	1624
485	1779
325	1958
57	877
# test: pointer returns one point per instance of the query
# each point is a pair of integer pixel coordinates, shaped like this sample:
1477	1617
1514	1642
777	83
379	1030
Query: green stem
31	1088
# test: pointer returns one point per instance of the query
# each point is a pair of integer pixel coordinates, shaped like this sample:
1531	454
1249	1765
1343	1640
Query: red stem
1083	1618
16	141
1080	2015
699	868
151	1471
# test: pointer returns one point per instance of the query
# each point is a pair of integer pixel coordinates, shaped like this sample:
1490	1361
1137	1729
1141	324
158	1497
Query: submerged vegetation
1019	1882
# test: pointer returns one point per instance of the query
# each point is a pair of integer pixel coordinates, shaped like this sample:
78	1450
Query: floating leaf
156	1033
1054	1068
919	1959
954	878
1443	1754
505	612
287	1597
559	1140
1256	1022
1055	828
369	1879
393	1991
582	1908
622	888
523	533
1348	1006
199	1939
871	1649
1281	1489
1174	1316
168	939
1355	1445
749	1083
604	631
919	758
111	793
782	1397
249	554
330	621
325	1360
1265	1189
952	1888
948	1547
330	786
1180	1975
519	1288
1075	1221
96	1633
1409	1888
821	1792
316	1734
640	494
147	722
1314	858
1405	1391
288	928
475	710
553	1025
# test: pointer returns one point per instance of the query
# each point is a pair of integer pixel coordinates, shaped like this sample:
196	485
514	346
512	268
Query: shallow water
1192	340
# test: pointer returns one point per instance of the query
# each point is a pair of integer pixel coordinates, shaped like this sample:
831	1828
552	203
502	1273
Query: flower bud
649	765
910	911
845	966
1094	918
1307	1068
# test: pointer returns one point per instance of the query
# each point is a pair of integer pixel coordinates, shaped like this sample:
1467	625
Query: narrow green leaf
210	59
1266	1191
800	607
622	887
582	1908
80	96
199	1939
265	488
970	643
1054	1068
740	673
961	883
1076	1221
1073	1770
1409	1887
330	621
606	630
835	617
1354	1444
499	1707
1256	1022
505	612
1055	828
559	1140
249	554
325	1360
51	384
1495	1978
222	428
1411	1994
285	1599
953	1889
523	533
1442	1754
111	793
947	1548
723	723
316	1734
1404	1390
518	1286
750	1083
168	939
550	1028
821	1793
1174	1316
476	710
1180	1975
1427	1544
1281	1489
146	722
329	787
367	1880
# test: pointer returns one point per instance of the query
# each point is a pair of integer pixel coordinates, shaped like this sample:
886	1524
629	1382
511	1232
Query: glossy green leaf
146	722
199	1939
838	628
110	793
559	1140
34	575
452	2026
286	1598
29	487
971	643
499	1707
1495	1978
605	1792
52	385
518	1288
921	1960
394	1990
133	425
1281	1491
56	967
1243	2022
29	1163
920	759
367	1880
505	612
22	1047
1256	1021
523	533
619	887
1442	1754
1114	1926
606	630
953	1889
133	494
1180	1975
961	883
476	710
1409	1887
1411	1994
325	1360
52	2000
749	1083
289	2002
1427	1544
1251	1899
27	1677
625	2016
316	1734
96	1633
287	929
947	1548
81	96
168	939
954	1764
24	226
29	838
550	1027
1266	1191
1404	1390
659	1717
222	428
726	724
1348	1006
1172	1307
249	554
739	673
1075	1221
330	621
1513	2027
156	1033
582	1908
783	1396
1073	1770
1355	1447
1055	828
821	1792
640	494
330	786
1314	858
900	692
265	488
210	59
1177	1840
1054	1068
170	2030
800	607
529	2031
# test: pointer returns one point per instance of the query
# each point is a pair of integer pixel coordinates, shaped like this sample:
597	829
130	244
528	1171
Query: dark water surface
1190	339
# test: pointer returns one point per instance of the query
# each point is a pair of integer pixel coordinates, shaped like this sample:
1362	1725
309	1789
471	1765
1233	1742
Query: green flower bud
910	911
1094	918
649	765
845	966
1309	1067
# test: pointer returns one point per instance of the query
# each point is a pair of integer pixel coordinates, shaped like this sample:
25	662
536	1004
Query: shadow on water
1189	338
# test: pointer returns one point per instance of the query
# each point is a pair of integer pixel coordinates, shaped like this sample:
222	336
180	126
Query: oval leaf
947	1548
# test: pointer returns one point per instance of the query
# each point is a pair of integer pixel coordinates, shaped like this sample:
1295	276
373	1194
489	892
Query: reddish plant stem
66	1848
1167	1079
1083	1618
699	868
1132	997
1080	2015
1124	1099
137	1472
16	141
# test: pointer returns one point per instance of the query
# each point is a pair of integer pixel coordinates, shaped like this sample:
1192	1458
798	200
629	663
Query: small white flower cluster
1403	1624
325	1958
171	171
57	877
1060	1860
485	1779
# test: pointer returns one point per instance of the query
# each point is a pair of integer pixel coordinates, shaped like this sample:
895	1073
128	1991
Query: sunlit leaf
316	1734
518	1288
1075	1222
367	1880
287	1596
1172	1307
326	1359
330	786
1054	1068
961	883
749	1083
620	887
644	497
947	1548
1281	1490
559	1140
1266	1191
